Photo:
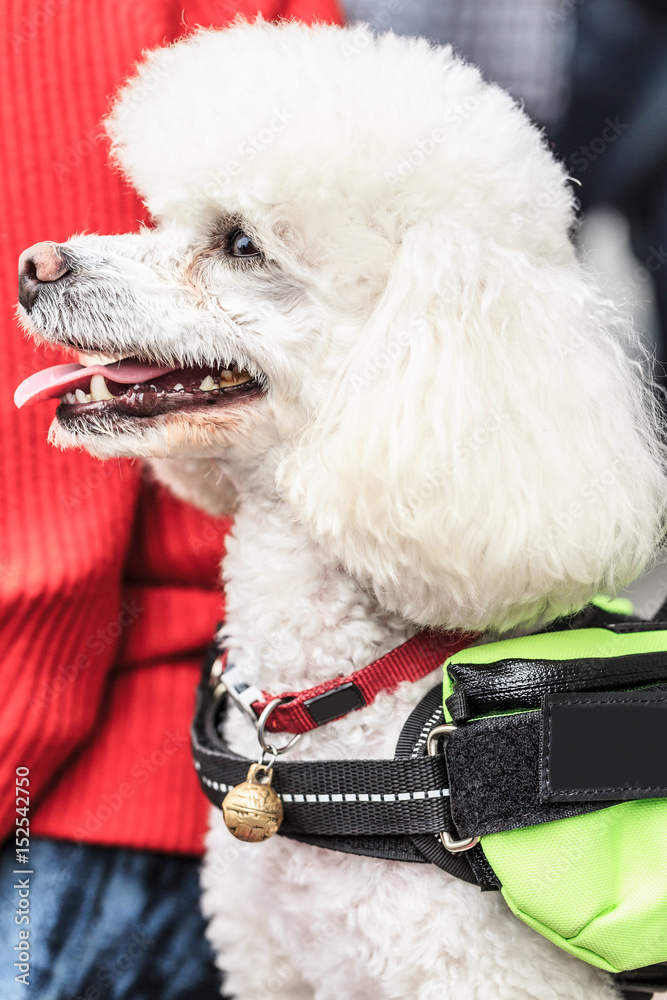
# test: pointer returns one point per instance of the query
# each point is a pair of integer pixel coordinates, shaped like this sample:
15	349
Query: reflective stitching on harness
431	793
419	748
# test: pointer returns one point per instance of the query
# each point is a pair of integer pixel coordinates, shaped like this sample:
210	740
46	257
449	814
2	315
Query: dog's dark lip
165	391
143	402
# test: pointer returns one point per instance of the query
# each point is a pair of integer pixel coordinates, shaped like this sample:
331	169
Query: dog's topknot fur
195	127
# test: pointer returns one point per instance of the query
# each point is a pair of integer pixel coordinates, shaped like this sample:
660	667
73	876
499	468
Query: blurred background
593	74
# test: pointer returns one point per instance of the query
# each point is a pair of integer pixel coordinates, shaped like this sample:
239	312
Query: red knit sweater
108	587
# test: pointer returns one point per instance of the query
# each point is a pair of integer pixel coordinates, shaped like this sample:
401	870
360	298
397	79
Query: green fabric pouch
559	765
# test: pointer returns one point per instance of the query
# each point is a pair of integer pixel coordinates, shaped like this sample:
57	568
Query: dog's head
361	286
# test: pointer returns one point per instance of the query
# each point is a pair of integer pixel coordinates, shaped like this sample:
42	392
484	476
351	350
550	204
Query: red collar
301	711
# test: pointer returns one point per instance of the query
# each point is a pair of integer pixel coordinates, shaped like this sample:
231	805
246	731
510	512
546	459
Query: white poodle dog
363	327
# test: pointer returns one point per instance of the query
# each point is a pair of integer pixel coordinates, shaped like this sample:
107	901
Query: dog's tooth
178	387
70	398
99	389
226	376
81	396
208	384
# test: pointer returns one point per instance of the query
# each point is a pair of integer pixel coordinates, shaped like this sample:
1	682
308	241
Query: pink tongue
56	381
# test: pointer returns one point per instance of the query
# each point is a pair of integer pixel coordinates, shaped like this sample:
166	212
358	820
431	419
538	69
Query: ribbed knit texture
108	588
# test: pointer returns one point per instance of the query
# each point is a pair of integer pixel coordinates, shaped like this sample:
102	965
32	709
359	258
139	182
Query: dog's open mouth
136	388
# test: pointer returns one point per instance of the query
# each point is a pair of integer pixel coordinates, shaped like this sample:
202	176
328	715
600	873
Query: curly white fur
450	435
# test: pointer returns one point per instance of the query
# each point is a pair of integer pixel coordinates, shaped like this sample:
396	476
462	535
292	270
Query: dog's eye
242	246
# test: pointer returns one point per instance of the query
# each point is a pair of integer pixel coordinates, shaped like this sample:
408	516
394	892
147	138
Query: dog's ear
488	454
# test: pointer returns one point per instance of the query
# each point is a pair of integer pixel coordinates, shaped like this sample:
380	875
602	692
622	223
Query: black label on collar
332	704
607	746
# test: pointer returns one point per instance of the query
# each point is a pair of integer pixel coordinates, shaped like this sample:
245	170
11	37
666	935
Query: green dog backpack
556	750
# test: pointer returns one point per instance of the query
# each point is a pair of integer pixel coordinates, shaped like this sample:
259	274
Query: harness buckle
447	841
229	679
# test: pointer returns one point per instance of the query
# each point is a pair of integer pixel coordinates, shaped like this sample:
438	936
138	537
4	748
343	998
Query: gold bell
253	811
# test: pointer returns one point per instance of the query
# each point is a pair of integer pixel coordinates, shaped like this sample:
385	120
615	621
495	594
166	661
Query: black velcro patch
332	704
606	746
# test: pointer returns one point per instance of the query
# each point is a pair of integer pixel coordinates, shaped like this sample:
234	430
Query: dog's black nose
37	265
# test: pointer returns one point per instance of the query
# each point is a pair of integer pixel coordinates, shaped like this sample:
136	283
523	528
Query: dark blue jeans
105	924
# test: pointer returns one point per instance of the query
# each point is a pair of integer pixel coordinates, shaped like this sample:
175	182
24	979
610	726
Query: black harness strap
472	865
389	848
494	772
390	809
340	798
641	984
